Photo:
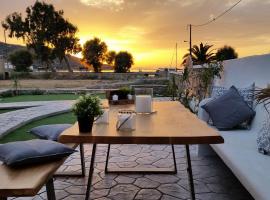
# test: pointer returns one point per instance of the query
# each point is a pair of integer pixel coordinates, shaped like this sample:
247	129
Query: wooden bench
27	181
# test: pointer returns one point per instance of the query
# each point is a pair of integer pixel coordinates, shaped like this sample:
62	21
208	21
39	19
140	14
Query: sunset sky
149	29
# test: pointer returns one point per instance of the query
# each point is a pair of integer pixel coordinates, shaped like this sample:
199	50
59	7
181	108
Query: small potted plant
86	108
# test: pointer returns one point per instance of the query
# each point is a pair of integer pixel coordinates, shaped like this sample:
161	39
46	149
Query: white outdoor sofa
239	151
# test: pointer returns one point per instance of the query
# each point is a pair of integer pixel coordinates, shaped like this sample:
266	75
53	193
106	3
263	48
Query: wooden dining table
170	124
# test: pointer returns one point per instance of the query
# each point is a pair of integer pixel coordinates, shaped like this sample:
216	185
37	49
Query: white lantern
143	100
104	118
126	120
115	97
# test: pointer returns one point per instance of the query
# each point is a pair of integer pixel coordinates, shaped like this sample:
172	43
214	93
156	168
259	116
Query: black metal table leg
141	170
82	160
107	158
50	190
75	174
91	170
190	175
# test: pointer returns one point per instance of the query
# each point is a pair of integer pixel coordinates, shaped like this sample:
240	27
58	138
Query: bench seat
249	166
27	181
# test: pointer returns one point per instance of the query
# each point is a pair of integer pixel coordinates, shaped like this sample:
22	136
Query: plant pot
85	124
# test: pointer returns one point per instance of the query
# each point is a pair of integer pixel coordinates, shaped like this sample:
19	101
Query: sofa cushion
229	110
263	139
49	132
239	152
32	151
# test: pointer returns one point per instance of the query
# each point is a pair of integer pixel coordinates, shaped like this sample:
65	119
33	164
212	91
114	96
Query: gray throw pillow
248	93
229	110
23	153
49	132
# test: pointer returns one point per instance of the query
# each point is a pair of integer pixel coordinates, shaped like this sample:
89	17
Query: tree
110	57
45	31
201	54
22	60
226	53
94	53
123	62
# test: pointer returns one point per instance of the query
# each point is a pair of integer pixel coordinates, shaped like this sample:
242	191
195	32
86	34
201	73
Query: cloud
107	4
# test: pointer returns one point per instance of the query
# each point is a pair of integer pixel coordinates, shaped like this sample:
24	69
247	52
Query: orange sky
149	29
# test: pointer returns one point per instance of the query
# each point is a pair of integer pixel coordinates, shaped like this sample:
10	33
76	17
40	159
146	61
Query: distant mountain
9	48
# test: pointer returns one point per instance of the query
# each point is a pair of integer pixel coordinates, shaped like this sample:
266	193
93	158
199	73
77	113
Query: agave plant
263	96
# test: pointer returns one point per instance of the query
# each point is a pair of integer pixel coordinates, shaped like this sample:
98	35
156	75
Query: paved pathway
9	121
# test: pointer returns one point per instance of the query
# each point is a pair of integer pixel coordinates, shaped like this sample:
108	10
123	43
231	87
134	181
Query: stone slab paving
213	180
10	121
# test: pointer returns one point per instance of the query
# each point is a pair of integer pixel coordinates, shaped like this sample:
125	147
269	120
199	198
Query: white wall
244	71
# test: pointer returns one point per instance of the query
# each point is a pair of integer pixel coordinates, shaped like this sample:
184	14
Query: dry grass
50	84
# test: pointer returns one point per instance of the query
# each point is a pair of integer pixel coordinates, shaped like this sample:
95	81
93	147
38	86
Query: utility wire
219	16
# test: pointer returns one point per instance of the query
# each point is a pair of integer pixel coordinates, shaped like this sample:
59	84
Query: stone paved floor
213	180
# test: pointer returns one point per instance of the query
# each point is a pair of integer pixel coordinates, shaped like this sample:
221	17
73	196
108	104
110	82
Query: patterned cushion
263	140
229	110
247	93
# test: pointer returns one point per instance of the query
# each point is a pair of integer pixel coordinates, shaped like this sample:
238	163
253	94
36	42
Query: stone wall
88	75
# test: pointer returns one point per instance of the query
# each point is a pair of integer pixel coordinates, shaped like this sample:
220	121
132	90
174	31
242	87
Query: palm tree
201	54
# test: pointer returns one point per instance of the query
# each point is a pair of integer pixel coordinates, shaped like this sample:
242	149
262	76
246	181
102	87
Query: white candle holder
104	118
115	97
144	100
126	120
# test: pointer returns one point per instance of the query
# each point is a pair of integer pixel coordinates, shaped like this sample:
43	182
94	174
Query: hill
9	48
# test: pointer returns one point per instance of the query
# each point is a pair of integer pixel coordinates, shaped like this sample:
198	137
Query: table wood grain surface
171	124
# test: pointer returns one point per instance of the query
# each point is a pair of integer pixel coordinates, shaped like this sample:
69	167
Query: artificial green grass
44	97
6	110
21	134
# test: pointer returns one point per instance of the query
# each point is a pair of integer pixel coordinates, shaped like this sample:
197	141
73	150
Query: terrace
196	131
215	176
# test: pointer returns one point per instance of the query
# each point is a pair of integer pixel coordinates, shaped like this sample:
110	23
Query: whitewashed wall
244	71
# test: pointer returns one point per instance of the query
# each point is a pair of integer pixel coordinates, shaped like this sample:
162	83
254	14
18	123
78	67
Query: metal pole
190	39
176	57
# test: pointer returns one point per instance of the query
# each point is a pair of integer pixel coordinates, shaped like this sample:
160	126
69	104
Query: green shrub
8	93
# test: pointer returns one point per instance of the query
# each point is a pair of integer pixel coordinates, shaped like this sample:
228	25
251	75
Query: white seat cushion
240	154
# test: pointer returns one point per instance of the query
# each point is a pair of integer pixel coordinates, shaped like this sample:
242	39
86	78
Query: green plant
172	88
37	92
121	93
206	76
8	93
263	96
87	106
